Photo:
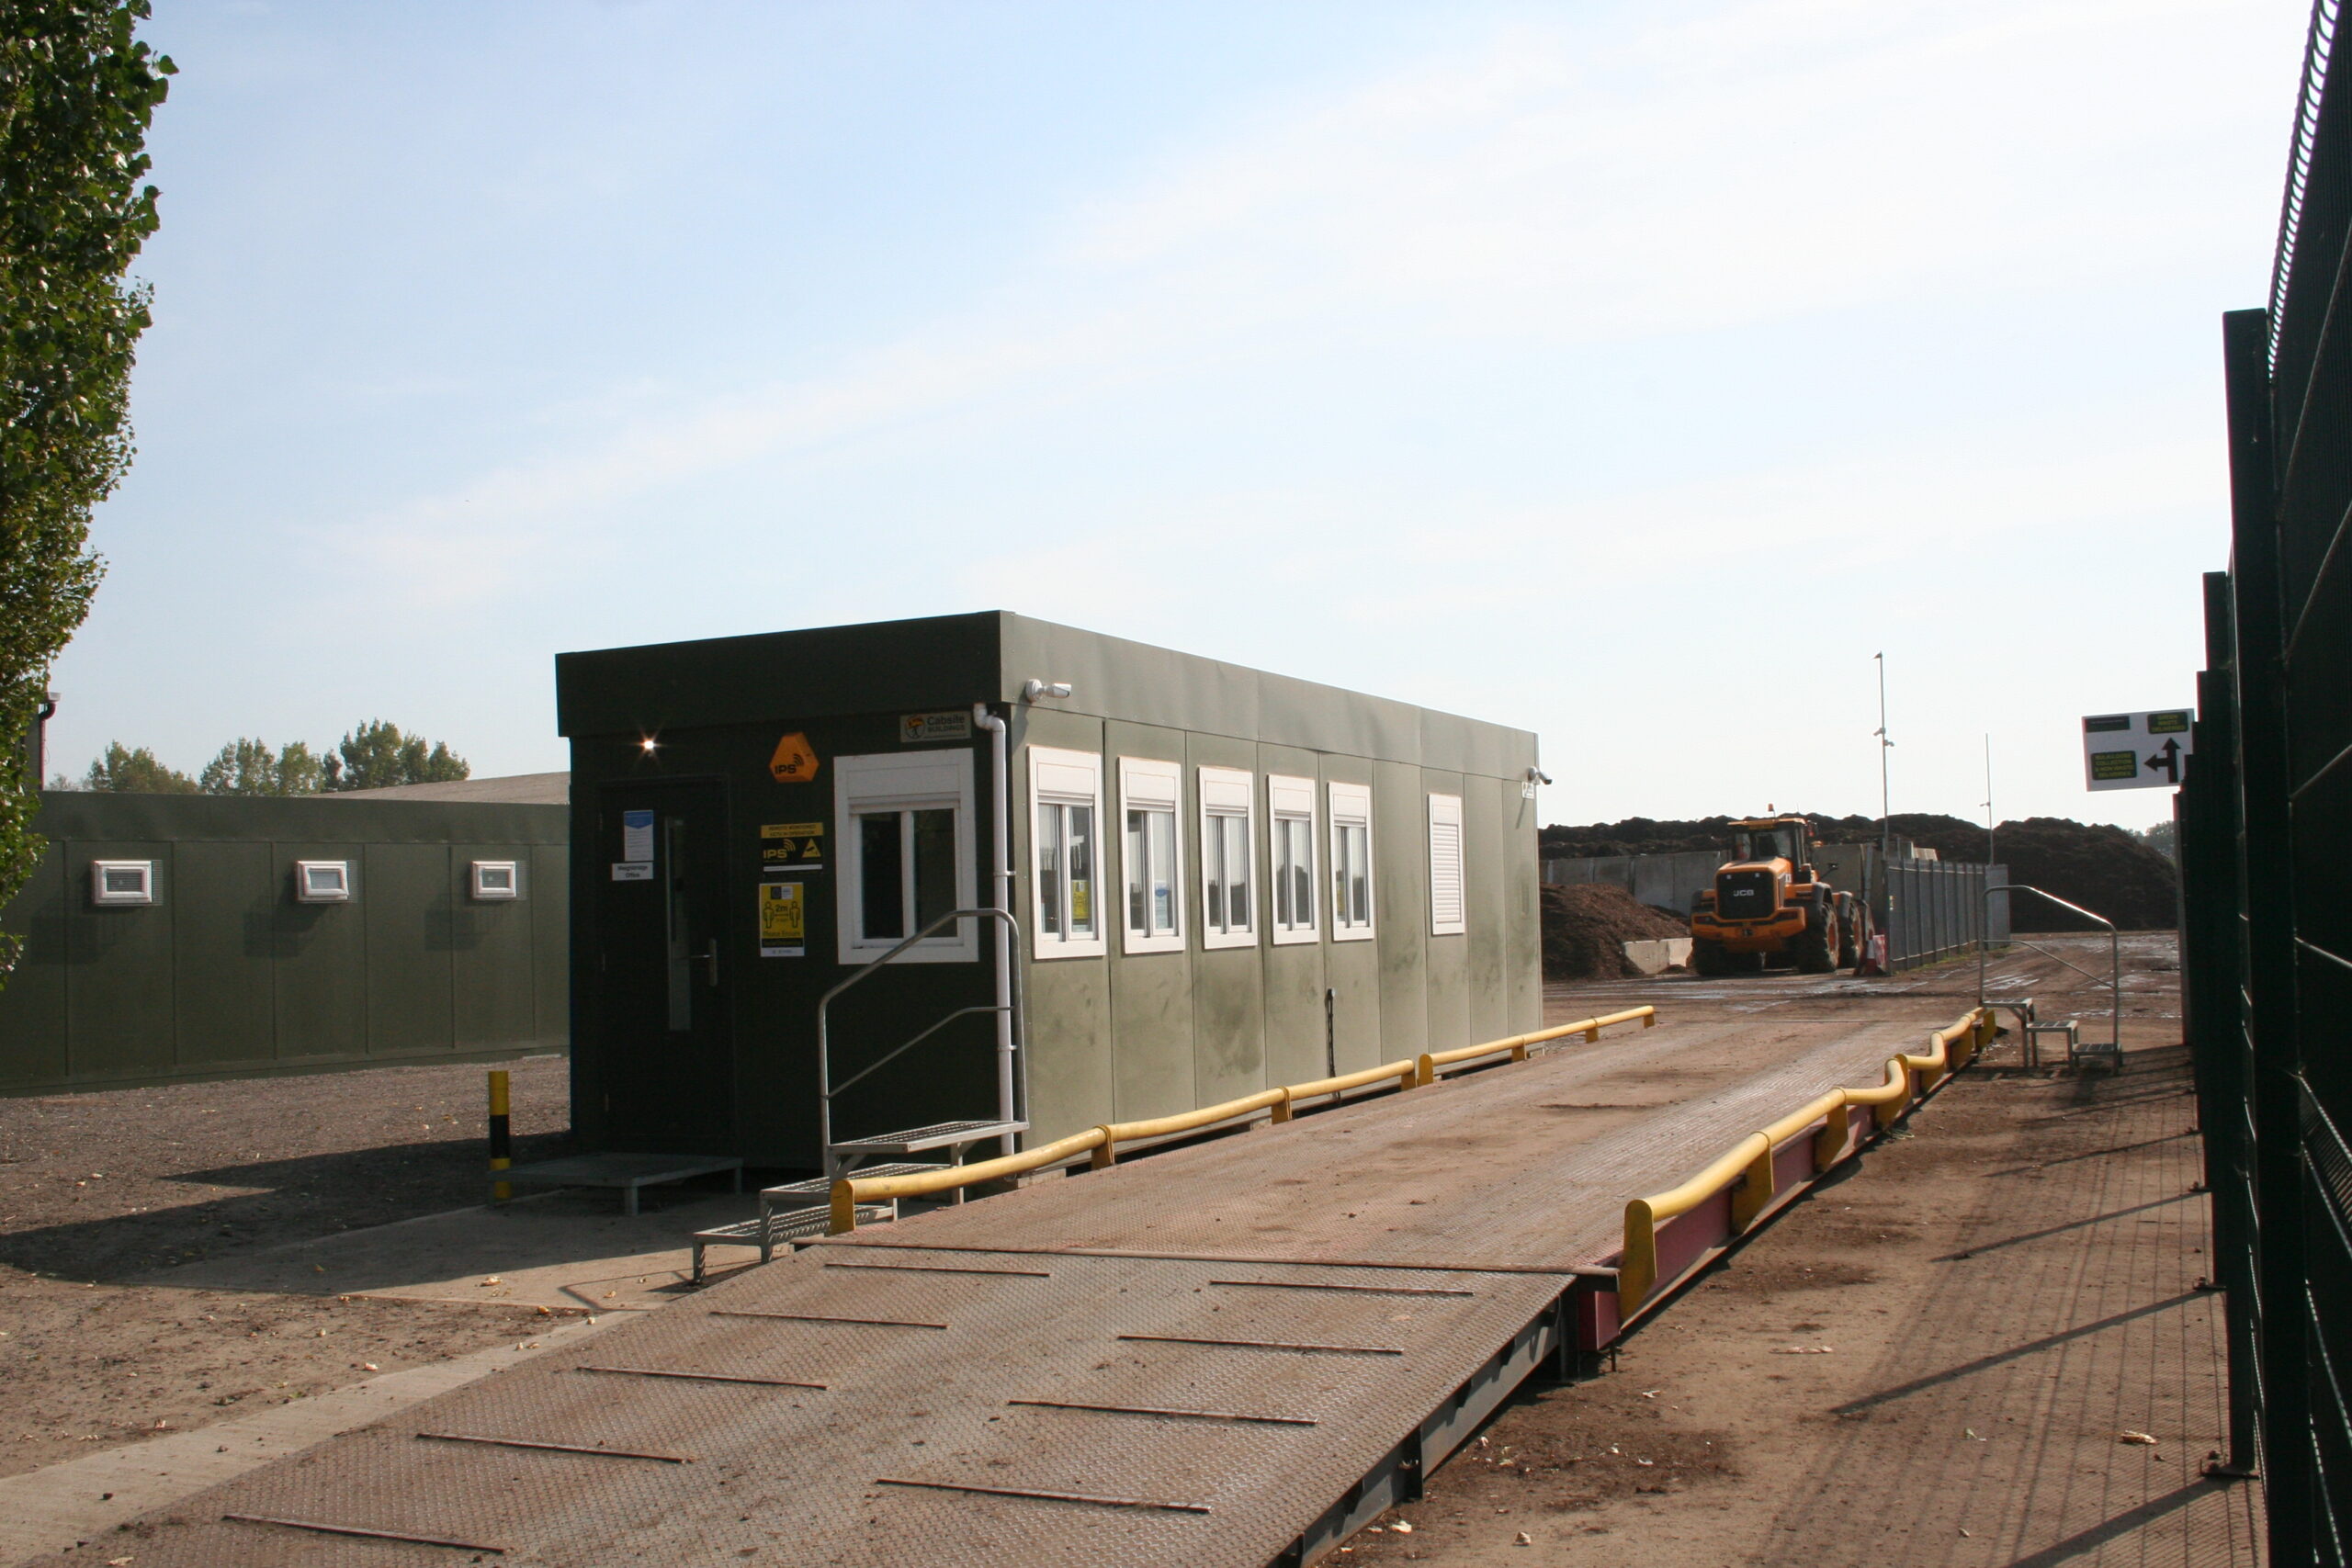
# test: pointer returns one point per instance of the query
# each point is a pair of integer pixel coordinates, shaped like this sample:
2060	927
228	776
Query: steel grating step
768	1229
939	1135
818	1186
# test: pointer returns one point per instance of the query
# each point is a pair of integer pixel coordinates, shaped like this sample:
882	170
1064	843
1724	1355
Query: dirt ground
1929	1315
99	1190
1931	1360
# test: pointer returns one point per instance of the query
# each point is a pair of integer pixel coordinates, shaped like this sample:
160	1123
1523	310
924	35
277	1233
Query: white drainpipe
1001	898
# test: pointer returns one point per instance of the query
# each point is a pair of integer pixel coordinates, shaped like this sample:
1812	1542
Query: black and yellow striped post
501	1142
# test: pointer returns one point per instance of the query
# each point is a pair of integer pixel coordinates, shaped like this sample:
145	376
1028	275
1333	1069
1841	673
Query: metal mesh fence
2263	814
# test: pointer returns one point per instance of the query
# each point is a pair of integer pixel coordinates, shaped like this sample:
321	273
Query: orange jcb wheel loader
1769	906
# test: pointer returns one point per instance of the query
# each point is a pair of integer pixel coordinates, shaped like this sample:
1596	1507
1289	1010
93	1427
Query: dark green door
664	1016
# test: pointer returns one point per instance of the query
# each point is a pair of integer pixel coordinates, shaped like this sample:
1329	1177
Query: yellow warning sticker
784	921
797	845
795	761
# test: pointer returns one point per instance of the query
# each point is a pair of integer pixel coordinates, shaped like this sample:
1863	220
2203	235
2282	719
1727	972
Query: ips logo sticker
795	761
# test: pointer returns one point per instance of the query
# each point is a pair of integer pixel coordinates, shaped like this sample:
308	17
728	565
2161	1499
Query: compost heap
2097	867
1587	926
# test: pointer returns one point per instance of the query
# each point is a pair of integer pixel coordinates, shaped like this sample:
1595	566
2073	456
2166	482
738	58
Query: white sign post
2136	751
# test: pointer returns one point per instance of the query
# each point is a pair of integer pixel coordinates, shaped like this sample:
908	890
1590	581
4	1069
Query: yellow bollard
502	1143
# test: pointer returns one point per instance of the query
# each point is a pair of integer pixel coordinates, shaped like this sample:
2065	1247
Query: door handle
710	961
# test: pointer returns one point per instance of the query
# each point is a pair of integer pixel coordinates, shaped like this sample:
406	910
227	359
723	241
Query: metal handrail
2115	957
826	1089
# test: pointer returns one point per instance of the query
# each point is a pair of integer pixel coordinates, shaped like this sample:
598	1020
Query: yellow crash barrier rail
849	1192
1117	1133
1748	1171
1517	1044
1101	1144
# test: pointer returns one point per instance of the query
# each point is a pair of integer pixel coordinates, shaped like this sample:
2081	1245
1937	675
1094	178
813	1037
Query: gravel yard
102	1194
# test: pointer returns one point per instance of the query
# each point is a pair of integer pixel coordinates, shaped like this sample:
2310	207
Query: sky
1629	374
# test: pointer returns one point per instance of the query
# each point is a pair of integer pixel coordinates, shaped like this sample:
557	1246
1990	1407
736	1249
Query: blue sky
1627	373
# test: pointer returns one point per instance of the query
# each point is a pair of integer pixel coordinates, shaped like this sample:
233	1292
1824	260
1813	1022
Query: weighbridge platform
1230	1353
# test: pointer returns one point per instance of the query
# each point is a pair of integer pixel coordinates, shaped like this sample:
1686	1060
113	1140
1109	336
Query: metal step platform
817	1187
772	1227
849	1155
630	1172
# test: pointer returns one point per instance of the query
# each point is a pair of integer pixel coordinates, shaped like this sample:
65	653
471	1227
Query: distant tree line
377	755
2129	877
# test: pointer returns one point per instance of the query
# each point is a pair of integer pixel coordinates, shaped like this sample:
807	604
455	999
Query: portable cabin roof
944	661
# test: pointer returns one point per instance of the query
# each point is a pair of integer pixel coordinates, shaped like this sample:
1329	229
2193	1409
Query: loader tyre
1849	939
1707	958
1815	949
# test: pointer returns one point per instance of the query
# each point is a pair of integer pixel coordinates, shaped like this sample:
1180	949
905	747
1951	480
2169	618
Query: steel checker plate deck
1486	1171
790	1475
921	1407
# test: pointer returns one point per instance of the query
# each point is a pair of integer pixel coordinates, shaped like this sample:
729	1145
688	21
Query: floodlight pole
1988	800
1885	810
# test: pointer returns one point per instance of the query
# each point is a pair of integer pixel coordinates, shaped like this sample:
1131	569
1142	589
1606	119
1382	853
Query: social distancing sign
2137	751
783	920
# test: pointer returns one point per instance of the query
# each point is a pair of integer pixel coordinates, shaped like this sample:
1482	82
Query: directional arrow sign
2137	751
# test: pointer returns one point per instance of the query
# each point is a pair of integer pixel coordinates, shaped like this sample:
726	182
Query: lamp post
1885	811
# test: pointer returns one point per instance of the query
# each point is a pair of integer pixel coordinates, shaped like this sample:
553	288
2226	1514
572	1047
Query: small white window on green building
117	883
1153	854
1290	826
322	881
1351	862
1445	866
1066	852
905	823
1228	911
496	881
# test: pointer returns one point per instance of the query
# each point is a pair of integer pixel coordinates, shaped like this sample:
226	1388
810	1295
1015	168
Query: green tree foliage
126	771
250	767
77	91
378	756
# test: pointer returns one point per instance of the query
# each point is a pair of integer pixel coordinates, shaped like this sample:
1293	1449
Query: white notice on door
632	871
636	836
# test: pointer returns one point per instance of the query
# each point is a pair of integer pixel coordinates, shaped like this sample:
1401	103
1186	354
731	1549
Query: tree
378	756
77	91
250	767
126	771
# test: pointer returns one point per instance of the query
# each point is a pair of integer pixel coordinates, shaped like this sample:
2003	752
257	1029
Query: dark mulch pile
1587	926
2089	864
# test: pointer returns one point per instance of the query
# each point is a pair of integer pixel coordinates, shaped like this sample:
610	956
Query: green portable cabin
175	937
1224	880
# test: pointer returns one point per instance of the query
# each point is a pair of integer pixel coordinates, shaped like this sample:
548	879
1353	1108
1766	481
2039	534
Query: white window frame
902	781
1445	812
1290	800
1228	793
1147	784
1351	807
486	891
106	898
1059	778
337	891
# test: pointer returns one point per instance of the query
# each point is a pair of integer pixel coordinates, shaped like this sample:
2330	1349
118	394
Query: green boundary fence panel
2266	831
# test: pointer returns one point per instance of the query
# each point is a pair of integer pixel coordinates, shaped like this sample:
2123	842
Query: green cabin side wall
226	976
1118	1036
